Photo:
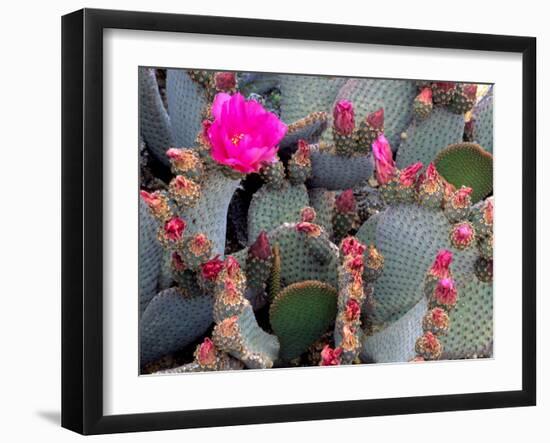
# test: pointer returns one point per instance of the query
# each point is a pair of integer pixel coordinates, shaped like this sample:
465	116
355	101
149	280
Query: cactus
467	164
342	192
300	314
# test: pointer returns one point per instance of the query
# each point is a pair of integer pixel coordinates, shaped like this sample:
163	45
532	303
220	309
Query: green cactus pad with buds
308	128
471	323
426	138
323	202
409	236
271	208
300	314
394	96
297	262
302	95
171	321
467	164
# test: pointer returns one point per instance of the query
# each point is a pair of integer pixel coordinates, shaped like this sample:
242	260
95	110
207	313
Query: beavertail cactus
291	220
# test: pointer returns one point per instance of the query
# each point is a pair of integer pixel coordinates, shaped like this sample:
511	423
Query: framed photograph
273	221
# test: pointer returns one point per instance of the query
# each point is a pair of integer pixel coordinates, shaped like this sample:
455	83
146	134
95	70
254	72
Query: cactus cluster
290	220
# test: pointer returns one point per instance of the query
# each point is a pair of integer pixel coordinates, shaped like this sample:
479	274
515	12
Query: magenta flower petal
243	134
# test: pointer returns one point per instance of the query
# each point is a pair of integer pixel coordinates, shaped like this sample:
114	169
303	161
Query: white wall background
30	218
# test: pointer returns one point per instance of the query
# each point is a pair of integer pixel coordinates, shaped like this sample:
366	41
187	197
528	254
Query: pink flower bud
440	267
232	266
439	318
174	228
261	249
344	117
462	235
376	119
177	262
351	246
430	344
211	268
383	160
157	204
352	310
355	264
206	355
488	212
330	357
204	132
225	81
408	175
445	292
461	198
345	202
425	96
311	229
470	90
307	214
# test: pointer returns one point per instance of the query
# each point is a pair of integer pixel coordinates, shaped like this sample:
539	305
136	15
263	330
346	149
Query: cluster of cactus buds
345	215
442	294
458	98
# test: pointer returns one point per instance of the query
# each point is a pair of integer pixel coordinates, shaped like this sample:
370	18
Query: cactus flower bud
461	198
345	202
225	81
173	229
445	292
349	338
307	214
462	235
407	177
157	203
206	353
470	90
383	160
376	119
344	117
311	229
232	266
351	246
211	268
440	267
428	346
261	249
177	263
330	357
303	153
436	321
352	310
425	96
355	264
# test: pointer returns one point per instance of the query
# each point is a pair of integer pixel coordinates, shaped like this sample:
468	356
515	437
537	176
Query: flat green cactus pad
300	314
467	164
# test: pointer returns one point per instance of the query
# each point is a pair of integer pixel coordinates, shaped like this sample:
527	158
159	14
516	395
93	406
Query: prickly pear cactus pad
300	220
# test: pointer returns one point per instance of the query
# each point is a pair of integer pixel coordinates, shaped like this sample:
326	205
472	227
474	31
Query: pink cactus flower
383	160
261	249
225	81
330	357
344	117
173	228
441	264
352	310
445	292
351	246
408	175
206	355
345	202
376	119
243	135
425	96
211	268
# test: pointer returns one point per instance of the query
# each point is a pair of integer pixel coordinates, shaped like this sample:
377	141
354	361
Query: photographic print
291	221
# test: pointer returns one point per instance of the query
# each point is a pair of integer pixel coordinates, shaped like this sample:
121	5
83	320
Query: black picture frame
82	218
